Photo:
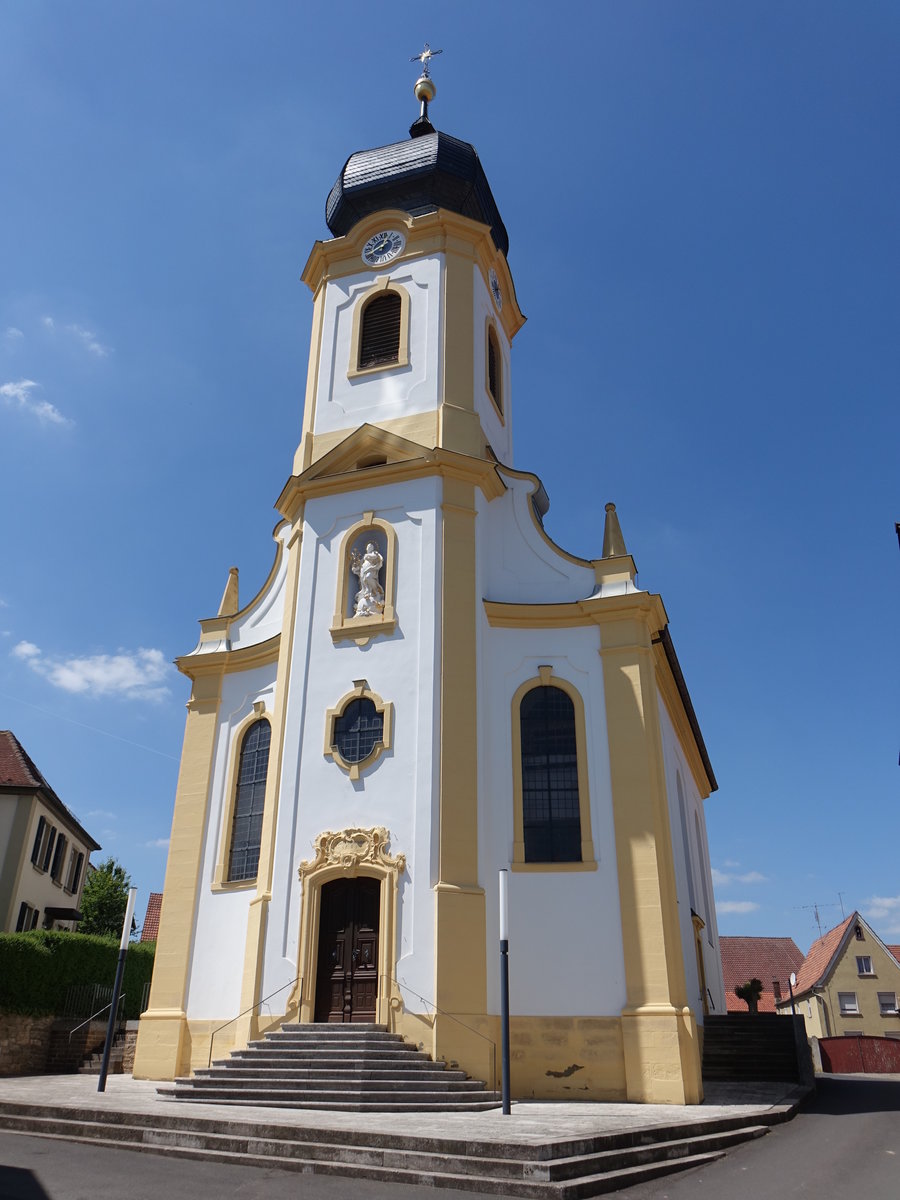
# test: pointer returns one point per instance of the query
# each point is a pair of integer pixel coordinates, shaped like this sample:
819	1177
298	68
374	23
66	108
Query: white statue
370	597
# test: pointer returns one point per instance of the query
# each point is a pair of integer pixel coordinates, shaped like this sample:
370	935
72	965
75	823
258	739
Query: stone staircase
551	1170
762	1046
344	1068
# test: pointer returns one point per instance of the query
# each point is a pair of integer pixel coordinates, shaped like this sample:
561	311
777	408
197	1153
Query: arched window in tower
551	810
379	338
494	369
250	794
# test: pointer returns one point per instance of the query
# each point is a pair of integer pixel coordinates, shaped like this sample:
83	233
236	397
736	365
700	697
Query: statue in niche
370	597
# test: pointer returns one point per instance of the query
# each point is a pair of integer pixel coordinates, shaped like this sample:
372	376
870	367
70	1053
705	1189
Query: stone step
329	1083
401	1072
611	1161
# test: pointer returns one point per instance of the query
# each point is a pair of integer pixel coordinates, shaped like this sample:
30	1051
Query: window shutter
494	369
379	341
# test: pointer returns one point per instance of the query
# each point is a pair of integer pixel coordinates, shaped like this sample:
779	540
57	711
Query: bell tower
415	308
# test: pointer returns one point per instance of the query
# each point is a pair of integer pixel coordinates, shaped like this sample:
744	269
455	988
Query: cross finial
425	58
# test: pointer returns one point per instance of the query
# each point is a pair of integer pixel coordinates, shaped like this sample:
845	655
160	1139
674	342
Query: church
427	690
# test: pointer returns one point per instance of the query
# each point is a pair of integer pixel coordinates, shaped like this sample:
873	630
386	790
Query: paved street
844	1143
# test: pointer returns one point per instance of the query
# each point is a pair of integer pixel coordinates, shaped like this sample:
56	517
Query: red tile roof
762	958
895	950
18	773
150	928
821	953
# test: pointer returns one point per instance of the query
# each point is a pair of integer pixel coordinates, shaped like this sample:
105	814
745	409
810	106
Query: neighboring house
150	928
44	850
768	959
848	984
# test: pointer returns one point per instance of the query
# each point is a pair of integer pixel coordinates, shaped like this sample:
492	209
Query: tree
750	993
105	899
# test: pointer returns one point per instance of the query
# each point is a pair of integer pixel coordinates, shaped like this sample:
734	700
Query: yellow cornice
430	233
223	661
445	463
595	610
672	699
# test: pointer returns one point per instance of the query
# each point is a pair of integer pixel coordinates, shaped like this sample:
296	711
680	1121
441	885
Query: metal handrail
96	1014
471	1028
264	1000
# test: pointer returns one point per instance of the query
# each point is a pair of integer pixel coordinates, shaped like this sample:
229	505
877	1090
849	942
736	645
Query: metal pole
504	988
117	988
792	979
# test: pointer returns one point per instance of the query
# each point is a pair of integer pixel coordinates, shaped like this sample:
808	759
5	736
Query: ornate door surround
347	854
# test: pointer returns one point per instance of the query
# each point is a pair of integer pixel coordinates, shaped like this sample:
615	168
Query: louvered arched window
494	371
379	338
246	826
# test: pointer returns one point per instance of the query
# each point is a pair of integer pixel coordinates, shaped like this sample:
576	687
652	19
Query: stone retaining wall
24	1044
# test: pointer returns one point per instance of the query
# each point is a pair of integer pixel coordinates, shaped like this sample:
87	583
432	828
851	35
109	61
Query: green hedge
37	969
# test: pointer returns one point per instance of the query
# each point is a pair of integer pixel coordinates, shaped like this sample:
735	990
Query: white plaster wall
692	871
345	403
220	921
398	791
38	888
262	620
566	954
497	431
521	566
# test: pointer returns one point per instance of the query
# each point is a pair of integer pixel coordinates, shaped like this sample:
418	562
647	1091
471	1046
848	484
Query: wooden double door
347	966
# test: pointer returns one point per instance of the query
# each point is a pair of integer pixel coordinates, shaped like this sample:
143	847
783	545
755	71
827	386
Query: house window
551	813
358	729
848	1004
887	1003
494	369
28	918
250	795
76	862
864	964
47	850
379	337
860	936
59	859
36	850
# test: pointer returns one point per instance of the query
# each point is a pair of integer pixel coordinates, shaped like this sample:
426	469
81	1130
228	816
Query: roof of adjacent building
150	929
416	176
762	958
19	774
821	953
895	950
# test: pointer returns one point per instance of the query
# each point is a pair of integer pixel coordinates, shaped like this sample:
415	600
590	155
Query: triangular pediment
365	448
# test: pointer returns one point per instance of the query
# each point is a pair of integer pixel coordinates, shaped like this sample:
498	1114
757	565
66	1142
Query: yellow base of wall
650	1058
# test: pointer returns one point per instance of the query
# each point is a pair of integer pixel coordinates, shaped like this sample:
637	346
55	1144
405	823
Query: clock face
495	288
382	247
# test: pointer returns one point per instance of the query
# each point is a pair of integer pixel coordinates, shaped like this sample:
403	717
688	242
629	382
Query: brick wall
24	1044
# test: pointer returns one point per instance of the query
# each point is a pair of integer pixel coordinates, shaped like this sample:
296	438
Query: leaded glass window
246	829
356	731
550	804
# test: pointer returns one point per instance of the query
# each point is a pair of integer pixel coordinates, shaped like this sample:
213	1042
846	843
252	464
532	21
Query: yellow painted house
849	984
428	690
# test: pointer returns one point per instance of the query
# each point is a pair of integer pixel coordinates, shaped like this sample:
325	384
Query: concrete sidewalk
531	1122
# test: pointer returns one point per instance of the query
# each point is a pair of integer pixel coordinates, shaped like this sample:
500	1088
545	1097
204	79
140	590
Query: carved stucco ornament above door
350	849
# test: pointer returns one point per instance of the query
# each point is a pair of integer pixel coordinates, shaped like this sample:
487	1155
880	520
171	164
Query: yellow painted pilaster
661	1048
460	427
163	1045
460	967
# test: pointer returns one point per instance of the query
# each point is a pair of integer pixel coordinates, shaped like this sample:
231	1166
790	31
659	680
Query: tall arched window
494	369
246	827
551	811
379	338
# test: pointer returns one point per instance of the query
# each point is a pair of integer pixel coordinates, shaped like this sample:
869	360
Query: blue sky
702	206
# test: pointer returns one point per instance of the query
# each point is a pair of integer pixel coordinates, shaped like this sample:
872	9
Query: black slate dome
420	175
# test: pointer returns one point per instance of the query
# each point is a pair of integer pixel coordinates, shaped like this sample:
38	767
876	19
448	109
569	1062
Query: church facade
425	691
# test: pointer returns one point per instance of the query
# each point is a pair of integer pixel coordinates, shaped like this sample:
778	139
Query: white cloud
158	844
89	340
724	878
19	393
137	675
736	906
884	914
13	334
102	812
48	322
